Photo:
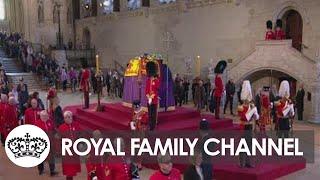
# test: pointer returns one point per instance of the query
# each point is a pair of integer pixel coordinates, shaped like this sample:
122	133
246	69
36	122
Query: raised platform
117	117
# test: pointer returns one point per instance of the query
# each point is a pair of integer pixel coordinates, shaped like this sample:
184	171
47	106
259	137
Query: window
40	13
166	1
56	14
2	10
69	16
107	6
134	4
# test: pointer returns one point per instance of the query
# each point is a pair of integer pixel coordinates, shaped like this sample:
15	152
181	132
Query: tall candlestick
198	66
97	63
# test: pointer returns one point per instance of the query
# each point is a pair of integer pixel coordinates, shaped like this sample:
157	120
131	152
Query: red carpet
117	117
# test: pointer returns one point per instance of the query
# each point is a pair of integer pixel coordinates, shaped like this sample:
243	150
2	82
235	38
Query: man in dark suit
194	171
300	102
230	91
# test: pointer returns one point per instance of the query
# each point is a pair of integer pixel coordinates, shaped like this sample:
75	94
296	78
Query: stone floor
8	171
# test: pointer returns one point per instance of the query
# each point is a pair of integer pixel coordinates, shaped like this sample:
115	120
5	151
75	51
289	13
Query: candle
198	66
97	63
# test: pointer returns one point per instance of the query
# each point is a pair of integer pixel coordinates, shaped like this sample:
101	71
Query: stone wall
217	29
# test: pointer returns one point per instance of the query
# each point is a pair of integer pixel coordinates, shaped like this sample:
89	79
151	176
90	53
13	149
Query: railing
86	54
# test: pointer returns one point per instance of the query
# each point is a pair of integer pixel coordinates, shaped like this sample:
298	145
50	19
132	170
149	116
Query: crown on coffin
27	146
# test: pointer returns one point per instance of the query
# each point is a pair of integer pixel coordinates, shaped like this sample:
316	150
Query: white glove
149	101
133	125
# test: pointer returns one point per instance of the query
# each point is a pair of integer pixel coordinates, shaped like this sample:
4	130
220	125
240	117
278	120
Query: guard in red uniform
219	69
265	116
166	171
152	90
140	118
32	113
3	106
10	117
118	168
248	115
70	164
85	85
46	124
284	110
269	32
96	165
279	34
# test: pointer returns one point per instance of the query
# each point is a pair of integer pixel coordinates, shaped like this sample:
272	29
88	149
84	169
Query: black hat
269	24
279	23
151	69
220	67
136	104
204	125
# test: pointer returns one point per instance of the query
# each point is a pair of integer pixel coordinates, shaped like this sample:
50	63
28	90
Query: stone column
123	5
315	116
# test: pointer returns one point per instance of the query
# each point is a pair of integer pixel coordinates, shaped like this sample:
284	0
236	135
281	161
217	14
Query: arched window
55	13
166	1
134	4
2	10
69	16
40	13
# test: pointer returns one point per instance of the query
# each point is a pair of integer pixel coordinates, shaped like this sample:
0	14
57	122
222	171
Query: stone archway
270	77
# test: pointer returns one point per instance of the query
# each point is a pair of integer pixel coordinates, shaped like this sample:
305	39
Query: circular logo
27	146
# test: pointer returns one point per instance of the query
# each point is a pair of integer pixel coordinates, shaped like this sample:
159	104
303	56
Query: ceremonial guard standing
152	90
269	32
279	34
265	118
221	66
85	85
96	165
248	115
284	110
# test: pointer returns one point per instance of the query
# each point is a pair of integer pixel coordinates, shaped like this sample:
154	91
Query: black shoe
54	173
249	166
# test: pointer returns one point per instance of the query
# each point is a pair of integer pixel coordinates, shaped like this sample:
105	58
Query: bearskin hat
220	67
269	24
204	125
152	69
136	104
279	23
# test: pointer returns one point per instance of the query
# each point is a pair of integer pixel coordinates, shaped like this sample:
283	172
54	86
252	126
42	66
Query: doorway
293	28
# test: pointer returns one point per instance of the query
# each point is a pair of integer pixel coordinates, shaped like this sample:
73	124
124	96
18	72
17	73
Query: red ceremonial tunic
118	169
141	120
279	34
84	82
152	89
242	110
219	86
10	119
280	105
269	35
174	175
96	165
31	115
265	118
70	164
3	106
